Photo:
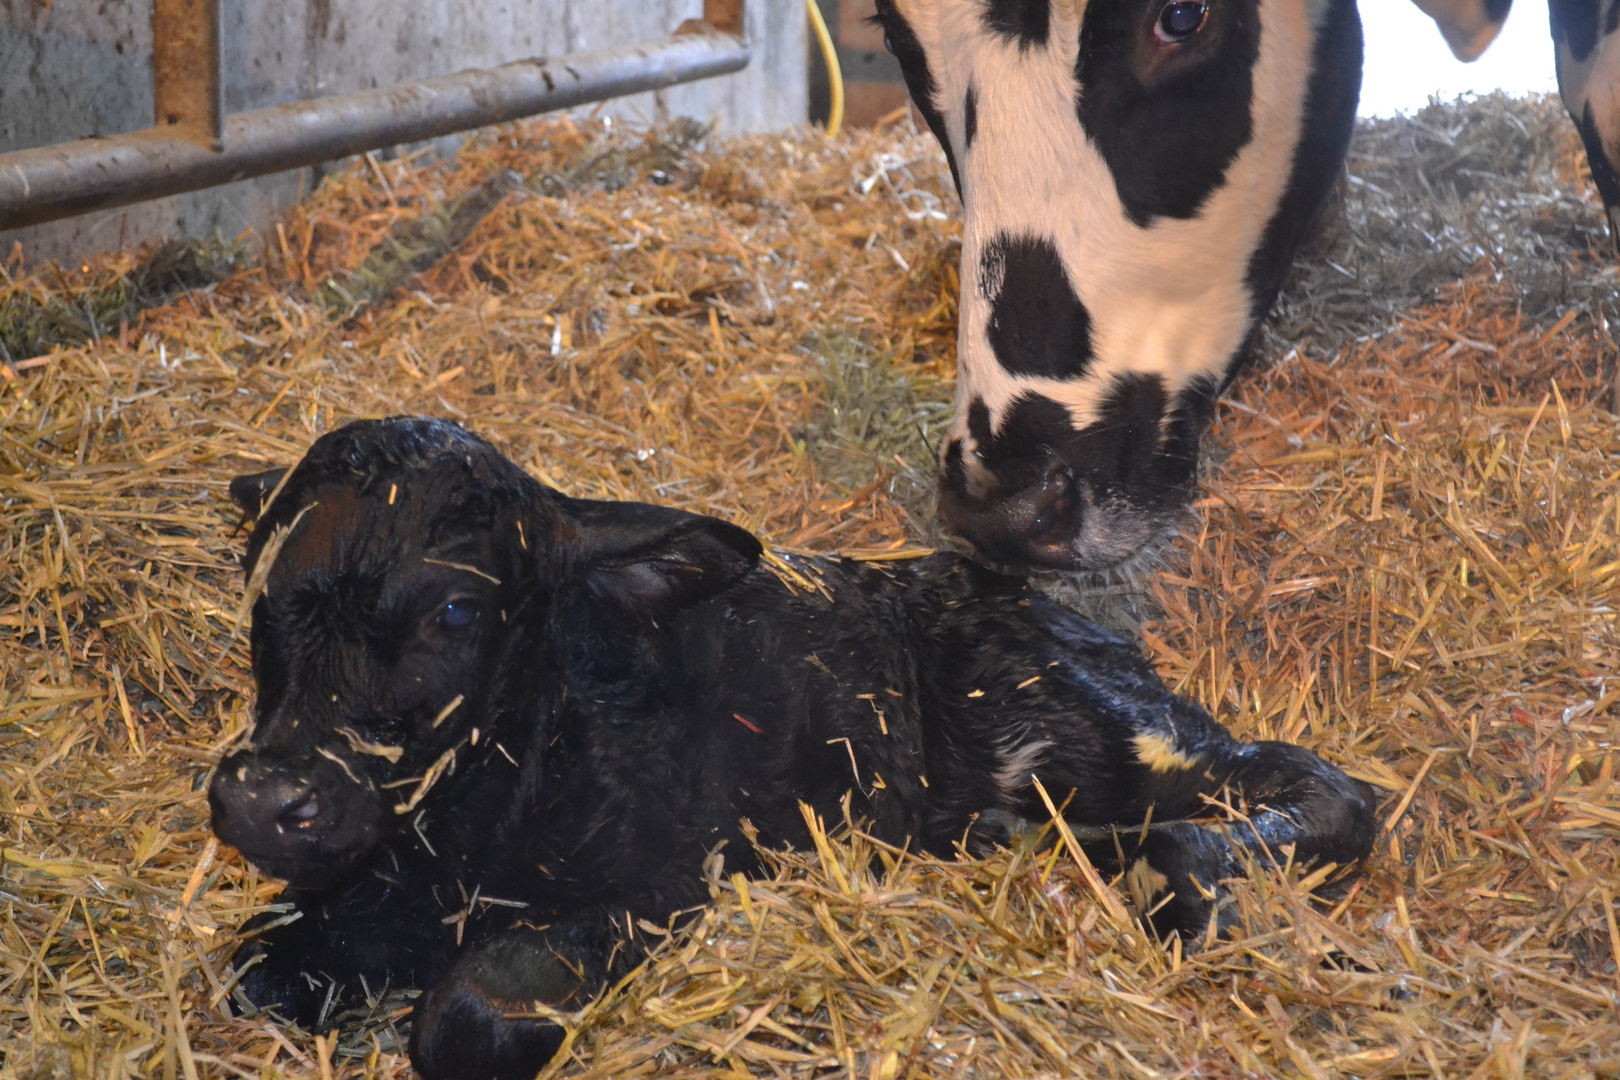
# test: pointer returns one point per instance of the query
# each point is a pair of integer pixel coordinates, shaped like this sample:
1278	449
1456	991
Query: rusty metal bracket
187	90
725	16
194	146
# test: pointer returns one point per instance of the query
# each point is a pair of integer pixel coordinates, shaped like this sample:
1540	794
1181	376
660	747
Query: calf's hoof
1176	877
992	829
465	1028
277	978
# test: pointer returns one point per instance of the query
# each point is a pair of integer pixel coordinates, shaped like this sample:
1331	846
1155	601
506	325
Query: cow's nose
1032	527
300	813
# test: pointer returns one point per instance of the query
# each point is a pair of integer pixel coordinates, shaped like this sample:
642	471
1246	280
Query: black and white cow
496	727
1136	176
1586	35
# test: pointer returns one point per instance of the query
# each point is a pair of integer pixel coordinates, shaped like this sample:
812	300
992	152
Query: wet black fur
639	685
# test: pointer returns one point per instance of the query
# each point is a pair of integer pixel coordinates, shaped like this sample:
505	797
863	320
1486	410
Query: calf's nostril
300	814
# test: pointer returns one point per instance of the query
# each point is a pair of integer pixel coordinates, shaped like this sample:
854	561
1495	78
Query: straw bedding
1405	557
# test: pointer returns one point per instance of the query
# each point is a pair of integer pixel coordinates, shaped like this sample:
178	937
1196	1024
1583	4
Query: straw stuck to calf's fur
471	685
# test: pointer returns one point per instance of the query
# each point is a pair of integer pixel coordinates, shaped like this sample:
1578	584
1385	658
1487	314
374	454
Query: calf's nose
256	805
297	819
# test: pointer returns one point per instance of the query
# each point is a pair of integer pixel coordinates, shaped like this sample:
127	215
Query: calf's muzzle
308	820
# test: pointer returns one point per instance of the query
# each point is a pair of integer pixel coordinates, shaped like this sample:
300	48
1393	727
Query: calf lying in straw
498	727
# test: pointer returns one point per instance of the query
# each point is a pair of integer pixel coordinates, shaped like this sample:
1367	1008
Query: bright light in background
1407	60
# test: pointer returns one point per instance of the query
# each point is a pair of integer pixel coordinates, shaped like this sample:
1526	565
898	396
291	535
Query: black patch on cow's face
902	42
1168	118
1038	324
970	119
1325	130
1028	22
1066	498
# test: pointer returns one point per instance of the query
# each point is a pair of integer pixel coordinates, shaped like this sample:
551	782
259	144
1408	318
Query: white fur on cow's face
1467	25
1169	299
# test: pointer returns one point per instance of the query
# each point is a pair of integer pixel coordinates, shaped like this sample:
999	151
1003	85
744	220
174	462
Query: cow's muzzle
307	820
1058	522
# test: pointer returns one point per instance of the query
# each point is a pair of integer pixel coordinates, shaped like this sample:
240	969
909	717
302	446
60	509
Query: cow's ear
251	492
656	559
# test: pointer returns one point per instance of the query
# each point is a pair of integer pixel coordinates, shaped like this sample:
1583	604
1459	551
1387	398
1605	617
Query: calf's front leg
339	946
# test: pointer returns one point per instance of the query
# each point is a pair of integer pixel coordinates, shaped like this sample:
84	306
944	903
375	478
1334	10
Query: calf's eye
1180	21
458	615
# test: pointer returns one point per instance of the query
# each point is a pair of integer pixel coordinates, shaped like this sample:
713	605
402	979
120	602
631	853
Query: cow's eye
888	42
458	614
1180	21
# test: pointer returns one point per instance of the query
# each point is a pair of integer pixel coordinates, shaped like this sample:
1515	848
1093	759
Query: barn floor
1406	557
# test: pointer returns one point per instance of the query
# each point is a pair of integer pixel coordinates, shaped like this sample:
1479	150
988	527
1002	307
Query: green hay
32	323
879	422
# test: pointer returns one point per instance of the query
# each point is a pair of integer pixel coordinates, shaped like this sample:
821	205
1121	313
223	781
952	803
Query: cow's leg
1587	50
470	1024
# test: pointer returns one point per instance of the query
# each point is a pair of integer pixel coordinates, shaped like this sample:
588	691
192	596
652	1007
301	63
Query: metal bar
187	90
93	174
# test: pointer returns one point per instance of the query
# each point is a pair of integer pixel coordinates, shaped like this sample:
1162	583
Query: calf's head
1136	176
414	585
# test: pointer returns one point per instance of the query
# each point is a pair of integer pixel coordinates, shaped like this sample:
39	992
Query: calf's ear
656	559
251	492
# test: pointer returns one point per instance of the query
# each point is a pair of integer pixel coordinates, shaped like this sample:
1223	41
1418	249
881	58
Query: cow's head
413	582
1136	176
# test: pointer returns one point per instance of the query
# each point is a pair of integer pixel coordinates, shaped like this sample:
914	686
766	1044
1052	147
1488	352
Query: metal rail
194	147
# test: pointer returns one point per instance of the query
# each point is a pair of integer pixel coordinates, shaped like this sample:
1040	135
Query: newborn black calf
498	726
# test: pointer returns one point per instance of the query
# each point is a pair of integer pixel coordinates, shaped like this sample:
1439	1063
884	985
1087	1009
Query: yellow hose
835	74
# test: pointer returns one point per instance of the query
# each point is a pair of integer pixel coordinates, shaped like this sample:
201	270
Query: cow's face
1136	175
411	577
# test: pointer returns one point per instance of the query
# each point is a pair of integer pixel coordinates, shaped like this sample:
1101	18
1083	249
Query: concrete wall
74	68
